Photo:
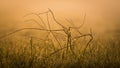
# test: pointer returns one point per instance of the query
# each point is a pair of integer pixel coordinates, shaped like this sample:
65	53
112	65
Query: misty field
35	54
65	47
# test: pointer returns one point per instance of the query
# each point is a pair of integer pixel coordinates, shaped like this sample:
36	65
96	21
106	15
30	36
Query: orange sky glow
101	15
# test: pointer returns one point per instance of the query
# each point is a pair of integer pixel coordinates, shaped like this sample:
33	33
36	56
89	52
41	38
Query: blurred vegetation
34	53
36	50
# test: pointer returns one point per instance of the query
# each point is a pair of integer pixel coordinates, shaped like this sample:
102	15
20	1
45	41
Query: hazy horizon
101	15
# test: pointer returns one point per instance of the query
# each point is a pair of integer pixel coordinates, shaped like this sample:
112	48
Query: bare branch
65	30
52	32
35	22
81	36
44	12
58	51
48	22
37	16
73	45
55	19
83	21
74	26
27	29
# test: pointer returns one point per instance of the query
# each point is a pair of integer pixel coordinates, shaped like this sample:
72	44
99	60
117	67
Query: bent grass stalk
64	29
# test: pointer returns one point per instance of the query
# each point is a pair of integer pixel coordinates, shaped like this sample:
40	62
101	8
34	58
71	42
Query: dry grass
77	52
32	53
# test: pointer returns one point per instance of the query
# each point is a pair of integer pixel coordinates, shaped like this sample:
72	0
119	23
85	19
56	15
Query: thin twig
55	19
35	22
37	16
66	30
73	45
87	43
52	32
74	26
44	12
27	29
83	21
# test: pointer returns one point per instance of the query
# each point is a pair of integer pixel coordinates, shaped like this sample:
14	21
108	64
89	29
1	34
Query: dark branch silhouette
66	30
